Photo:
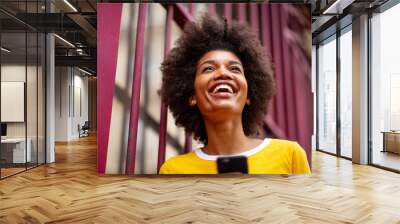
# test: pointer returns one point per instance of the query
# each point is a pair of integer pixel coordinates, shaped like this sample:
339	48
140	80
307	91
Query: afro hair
179	72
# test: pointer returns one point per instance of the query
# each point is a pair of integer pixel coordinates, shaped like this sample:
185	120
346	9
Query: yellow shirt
272	156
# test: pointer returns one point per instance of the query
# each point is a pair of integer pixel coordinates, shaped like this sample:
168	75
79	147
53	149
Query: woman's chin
226	107
223	104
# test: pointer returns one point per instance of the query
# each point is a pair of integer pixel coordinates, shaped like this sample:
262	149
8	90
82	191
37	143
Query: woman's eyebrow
208	61
234	62
213	62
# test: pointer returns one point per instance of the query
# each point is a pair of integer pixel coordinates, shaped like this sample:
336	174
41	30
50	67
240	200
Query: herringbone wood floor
70	191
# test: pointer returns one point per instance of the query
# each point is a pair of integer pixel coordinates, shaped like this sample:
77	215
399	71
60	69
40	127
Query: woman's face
220	85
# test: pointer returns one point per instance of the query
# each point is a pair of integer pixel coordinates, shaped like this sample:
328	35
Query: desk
391	141
15	148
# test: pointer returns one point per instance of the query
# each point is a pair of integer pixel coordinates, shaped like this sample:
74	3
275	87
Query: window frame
333	37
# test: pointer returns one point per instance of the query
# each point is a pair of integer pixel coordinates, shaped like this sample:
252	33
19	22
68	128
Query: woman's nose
222	73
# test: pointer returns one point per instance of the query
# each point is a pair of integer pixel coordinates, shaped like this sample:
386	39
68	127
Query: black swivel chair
84	130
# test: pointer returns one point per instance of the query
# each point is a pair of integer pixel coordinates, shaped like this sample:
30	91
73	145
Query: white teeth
223	86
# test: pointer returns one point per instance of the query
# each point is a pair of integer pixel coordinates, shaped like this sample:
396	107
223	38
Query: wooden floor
70	191
5	172
9	171
388	159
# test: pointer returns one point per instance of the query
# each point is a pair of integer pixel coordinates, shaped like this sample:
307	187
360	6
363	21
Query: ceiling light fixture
337	7
84	71
64	40
5	50
70	5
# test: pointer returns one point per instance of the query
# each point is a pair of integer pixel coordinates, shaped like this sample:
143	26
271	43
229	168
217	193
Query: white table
18	149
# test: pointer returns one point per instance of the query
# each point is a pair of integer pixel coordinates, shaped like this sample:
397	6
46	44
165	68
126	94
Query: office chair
84	130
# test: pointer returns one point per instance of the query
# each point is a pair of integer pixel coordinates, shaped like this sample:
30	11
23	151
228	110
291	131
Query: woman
217	82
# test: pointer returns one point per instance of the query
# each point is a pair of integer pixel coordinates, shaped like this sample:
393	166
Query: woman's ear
248	101
192	101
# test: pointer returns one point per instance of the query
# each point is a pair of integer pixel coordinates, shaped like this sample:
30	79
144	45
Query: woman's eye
208	69
236	69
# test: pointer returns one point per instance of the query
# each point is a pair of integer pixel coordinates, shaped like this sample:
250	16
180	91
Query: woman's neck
227	137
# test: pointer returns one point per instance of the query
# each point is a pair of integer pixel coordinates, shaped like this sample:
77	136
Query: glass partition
31	98
14	154
385	89
41	106
346	93
327	95
22	88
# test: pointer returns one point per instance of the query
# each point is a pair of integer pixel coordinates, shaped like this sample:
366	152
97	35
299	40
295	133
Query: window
385	88
335	74
346	92
327	95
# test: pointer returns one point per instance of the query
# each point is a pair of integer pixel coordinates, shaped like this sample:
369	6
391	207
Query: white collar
247	153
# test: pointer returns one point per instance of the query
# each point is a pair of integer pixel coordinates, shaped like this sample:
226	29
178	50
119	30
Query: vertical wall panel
278	64
228	11
288	73
266	40
211	9
121	102
241	9
188	136
254	23
164	110
135	100
108	35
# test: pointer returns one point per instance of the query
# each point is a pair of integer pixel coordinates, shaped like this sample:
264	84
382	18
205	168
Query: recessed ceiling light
70	5
337	7
5	50
84	71
64	40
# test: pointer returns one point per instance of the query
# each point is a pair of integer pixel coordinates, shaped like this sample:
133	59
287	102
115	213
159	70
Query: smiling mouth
222	90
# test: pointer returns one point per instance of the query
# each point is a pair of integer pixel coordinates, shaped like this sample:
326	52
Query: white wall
61	105
33	126
71	102
16	73
81	82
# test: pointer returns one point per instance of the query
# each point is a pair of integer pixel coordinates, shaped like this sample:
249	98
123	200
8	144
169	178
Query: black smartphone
234	164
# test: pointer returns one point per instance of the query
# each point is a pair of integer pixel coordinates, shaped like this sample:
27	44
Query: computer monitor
3	129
